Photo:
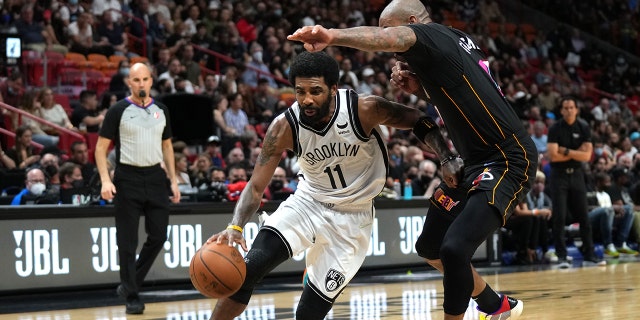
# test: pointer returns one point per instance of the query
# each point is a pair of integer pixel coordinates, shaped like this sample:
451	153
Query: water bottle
396	188
408	190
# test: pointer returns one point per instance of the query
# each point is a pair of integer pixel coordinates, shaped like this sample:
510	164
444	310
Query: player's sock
488	300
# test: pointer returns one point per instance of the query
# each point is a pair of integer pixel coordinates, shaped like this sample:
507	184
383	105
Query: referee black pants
140	191
569	194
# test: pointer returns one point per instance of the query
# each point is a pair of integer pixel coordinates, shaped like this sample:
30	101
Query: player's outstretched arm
392	39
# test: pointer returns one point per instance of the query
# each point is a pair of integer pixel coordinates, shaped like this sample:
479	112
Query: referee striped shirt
137	132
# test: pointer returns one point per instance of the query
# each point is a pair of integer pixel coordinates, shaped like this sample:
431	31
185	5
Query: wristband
449	158
423	126
235	227
566	151
535	212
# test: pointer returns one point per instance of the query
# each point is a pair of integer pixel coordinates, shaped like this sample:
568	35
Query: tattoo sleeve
396	39
268	148
248	204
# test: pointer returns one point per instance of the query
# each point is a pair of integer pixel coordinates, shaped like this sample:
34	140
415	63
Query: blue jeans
604	220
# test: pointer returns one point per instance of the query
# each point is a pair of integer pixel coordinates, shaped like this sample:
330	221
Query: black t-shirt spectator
79	114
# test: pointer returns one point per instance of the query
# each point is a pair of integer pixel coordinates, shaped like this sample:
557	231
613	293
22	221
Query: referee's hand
176	193
108	190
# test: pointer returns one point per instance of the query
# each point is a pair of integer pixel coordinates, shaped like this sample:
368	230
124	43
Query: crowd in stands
533	66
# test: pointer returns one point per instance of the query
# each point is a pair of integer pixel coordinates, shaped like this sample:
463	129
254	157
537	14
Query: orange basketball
217	270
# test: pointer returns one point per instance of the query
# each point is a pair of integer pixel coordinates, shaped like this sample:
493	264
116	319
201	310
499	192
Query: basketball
217	270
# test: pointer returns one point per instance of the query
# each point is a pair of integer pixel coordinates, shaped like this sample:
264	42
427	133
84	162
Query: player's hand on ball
230	237
453	172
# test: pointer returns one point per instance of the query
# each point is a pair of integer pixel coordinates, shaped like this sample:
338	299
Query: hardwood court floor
609	292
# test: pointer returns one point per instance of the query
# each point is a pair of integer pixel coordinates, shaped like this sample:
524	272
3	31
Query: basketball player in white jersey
343	165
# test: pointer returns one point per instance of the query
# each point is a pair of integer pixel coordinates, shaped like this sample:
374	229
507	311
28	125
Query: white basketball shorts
336	239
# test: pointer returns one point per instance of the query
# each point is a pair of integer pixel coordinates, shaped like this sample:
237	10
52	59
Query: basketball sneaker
611	252
592	260
509	309
626	250
551	256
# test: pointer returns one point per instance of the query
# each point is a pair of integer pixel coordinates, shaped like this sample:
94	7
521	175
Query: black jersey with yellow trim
455	76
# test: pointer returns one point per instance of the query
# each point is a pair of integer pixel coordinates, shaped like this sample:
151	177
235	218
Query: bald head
140	82
403	12
139	69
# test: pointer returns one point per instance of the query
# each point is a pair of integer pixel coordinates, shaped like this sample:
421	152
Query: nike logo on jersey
342	126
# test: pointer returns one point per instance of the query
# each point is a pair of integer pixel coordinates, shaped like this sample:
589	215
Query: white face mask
37	188
257	56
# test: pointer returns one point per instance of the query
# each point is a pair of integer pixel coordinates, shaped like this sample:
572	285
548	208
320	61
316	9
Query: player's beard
315	121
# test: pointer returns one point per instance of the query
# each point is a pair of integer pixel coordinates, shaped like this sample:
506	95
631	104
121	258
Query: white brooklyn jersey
339	164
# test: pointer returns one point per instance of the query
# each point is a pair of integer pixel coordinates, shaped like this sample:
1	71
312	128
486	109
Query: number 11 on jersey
338	170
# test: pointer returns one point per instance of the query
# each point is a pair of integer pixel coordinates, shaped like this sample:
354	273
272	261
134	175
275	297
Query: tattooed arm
374	110
392	39
277	139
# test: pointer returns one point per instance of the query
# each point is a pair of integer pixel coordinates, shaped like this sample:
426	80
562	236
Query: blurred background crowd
232	57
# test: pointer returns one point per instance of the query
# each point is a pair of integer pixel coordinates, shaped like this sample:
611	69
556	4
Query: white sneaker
551	256
506	310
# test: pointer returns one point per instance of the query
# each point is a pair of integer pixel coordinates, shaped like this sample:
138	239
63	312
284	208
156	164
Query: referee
569	146
141	132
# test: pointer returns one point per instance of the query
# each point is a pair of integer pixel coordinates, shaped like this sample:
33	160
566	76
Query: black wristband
423	126
449	158
566	151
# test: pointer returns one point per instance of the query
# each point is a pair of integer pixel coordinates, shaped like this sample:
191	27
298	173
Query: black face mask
50	170
412	176
77	183
276	185
425	180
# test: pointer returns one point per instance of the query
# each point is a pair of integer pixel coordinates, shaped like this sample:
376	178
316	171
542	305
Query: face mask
277	185
257	56
37	188
412	176
277	12
50	170
73	2
598	151
124	72
77	183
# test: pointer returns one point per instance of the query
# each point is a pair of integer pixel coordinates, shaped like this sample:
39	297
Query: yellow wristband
234	227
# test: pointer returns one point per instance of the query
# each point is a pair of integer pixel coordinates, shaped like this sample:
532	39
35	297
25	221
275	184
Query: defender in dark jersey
497	159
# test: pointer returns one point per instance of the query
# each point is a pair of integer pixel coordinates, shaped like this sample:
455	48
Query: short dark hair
568	98
85	94
315	64
66	169
75	144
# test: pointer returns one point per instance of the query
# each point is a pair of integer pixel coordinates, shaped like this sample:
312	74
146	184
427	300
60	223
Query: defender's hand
402	77
315	38
453	172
